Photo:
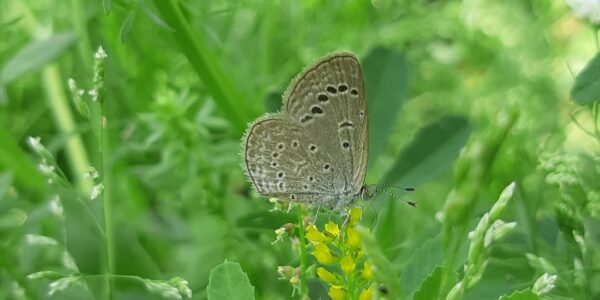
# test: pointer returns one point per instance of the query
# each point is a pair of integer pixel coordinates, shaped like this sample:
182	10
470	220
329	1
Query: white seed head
100	53
544	284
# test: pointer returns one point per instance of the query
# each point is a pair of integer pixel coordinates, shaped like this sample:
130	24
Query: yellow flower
347	264
294	280
314	235
326	275
323	254
332	228
366	294
367	272
353	238
355	214
337	293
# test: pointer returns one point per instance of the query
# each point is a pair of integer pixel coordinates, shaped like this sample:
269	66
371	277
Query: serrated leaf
586	89
526	294
386	80
228	281
383	271
421	264
35	55
433	150
430	287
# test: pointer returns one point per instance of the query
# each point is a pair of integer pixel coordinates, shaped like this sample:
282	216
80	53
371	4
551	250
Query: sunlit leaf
526	294
386	80
432	151
35	55
587	84
228	281
421	264
430	287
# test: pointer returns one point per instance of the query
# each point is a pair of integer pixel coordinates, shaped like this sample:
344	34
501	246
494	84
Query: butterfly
315	150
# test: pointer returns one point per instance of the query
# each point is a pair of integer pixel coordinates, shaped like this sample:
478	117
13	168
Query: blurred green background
465	97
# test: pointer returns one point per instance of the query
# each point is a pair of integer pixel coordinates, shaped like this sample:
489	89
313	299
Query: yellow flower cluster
344	267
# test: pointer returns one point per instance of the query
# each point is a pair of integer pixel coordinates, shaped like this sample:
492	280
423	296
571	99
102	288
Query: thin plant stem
59	106
302	249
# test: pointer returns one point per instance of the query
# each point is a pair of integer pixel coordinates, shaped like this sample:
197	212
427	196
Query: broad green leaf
383	271
526	294
421	264
586	89
386	80
228	281
430	287
433	150
35	55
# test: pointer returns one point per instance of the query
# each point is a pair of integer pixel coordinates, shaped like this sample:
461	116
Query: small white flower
94	94
62	284
589	9
72	84
439	216
40	240
544	284
35	142
80	92
100	53
41	274
96	191
55	206
45	168
163	289
92	173
182	285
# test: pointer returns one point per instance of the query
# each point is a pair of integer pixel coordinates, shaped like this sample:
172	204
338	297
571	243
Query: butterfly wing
328	101
280	160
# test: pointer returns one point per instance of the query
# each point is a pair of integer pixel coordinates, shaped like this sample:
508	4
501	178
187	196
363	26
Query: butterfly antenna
385	188
376	216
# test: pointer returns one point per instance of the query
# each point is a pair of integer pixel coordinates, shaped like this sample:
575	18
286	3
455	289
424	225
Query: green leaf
154	17
106	5
433	150
526	294
386	80
586	89
383	270
228	281
127	25
430	287
421	264
35	55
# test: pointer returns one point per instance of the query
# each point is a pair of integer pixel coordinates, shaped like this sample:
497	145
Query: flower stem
302	249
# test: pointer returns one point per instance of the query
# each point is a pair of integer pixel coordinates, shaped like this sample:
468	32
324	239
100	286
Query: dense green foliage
121	175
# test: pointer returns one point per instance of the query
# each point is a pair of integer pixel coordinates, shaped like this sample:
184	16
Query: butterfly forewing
328	100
